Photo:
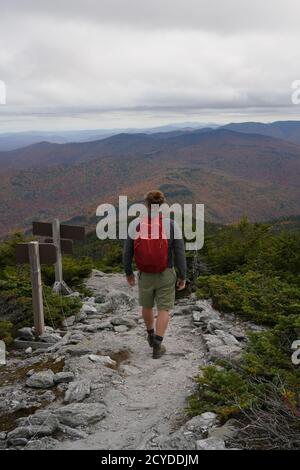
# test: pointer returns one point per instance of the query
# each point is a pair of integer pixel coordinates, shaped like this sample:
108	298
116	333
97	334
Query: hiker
155	257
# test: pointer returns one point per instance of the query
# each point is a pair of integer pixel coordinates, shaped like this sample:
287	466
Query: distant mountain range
16	140
287	130
234	173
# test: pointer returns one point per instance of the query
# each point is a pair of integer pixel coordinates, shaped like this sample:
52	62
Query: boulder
40	418
43	443
183	310
238	333
105	360
230	353
97	273
210	444
200	316
120	329
26	432
81	414
18	442
74	294
76	338
89	300
50	338
26	334
100	298
119	299
212	341
200	424
71	432
69	321
63	377
130	370
226	432
103	308
215	324
3	445
104	325
78	391
123	321
227	338
91	328
43	379
87	309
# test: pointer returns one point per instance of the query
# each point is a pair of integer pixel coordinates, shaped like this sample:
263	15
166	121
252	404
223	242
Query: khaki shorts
157	288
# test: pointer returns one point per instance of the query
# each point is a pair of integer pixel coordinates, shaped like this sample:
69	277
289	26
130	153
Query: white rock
202	423
227	338
97	273
74	294
120	329
28	350
78	391
88	309
104	325
43	379
26	334
233	353
50	338
123	321
63	377
225	432
200	316
210	444
212	341
217	325
130	370
69	321
105	360
81	414
89	300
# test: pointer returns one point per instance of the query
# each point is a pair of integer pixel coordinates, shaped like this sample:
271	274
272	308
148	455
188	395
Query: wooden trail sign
62	236
71	232
47	253
35	254
66	245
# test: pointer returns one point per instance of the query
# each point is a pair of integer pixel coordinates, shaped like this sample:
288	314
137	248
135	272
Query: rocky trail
98	387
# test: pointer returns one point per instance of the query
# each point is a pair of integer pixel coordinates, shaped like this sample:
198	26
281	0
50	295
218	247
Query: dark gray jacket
176	254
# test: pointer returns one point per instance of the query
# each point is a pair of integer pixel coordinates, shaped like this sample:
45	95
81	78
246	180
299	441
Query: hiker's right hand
131	280
180	284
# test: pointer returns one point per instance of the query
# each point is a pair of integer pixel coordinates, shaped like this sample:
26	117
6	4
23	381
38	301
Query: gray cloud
215	15
100	63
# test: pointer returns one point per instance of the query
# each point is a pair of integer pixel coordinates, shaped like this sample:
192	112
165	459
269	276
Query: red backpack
151	246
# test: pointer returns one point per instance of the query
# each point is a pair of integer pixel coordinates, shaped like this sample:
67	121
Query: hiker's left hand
131	280
180	284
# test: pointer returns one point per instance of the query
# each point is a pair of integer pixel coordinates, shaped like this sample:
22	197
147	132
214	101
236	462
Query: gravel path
147	397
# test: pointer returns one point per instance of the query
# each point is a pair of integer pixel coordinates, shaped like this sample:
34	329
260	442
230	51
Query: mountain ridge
232	173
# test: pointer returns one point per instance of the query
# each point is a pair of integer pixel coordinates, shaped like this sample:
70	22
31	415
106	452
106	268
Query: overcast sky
71	64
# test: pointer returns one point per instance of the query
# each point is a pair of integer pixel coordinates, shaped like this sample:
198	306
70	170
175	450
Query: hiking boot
158	349
150	340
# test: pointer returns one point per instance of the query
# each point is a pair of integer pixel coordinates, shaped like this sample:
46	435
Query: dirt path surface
147	400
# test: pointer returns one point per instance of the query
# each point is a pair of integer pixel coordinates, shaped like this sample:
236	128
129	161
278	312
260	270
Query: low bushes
255	274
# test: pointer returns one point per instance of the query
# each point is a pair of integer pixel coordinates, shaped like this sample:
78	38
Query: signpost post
36	253
37	292
61	237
